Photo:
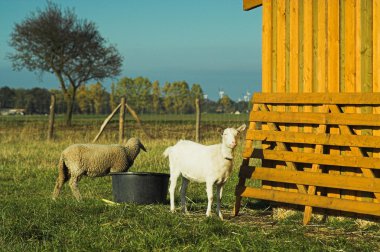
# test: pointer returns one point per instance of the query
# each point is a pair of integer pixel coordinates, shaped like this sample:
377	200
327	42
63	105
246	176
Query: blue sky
213	43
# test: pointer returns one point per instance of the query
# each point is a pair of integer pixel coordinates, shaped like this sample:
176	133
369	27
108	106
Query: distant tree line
141	94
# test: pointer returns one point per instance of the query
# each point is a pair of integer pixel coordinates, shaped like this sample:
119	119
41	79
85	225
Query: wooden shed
316	124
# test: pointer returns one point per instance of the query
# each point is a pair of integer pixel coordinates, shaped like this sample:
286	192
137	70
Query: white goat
203	164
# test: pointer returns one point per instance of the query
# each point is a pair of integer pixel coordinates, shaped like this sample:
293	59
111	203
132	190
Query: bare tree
57	42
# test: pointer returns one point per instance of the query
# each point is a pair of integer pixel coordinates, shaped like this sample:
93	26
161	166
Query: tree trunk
70	99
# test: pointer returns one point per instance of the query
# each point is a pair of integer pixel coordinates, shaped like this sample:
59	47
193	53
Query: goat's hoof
172	210
184	211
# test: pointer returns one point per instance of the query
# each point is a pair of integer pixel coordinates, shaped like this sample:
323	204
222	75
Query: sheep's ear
142	147
241	128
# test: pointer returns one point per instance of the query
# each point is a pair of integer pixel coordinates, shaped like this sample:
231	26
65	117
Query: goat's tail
63	176
168	151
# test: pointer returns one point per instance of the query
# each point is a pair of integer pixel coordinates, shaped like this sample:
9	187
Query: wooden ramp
318	150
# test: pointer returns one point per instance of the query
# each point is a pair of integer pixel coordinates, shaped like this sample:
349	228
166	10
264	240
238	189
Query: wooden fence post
51	117
197	120
106	121
121	120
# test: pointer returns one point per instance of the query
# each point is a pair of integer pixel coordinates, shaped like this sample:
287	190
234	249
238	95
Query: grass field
31	221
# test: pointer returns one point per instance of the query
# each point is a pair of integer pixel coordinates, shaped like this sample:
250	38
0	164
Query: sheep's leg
185	182
173	182
73	183
219	191
58	187
209	197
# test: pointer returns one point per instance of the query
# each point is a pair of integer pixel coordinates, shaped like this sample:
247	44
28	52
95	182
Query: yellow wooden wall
320	46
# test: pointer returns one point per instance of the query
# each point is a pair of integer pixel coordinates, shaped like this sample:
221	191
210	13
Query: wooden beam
318	98
315	118
282	146
316	167
311	138
312	200
319	158
355	150
251	4
317	179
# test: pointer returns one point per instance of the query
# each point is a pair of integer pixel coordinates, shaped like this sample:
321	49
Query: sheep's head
134	144
229	136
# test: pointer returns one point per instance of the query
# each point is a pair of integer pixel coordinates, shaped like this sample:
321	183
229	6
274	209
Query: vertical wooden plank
376	49
300	46
274	45
333	45
267	47
308	58
358	81
294	48
280	80
366	66
349	48
342	43
322	51
333	71
293	61
349	73
315	48
281	21
322	41
376	62
287	46
267	62
307	46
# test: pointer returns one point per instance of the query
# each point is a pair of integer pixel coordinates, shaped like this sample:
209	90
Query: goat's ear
241	128
219	130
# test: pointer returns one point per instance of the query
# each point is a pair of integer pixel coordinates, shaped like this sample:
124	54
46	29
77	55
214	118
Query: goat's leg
173	182
185	182
73	183
219	191
209	197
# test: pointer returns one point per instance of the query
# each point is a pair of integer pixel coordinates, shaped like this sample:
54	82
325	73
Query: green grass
31	221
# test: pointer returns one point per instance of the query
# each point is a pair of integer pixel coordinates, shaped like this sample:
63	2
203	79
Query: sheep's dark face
135	144
229	136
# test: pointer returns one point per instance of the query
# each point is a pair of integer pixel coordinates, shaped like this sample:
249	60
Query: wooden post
51	117
136	117
121	120
197	120
105	123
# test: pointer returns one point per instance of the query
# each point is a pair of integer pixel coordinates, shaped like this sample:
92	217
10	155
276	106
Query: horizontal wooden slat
311	138
251	4
318	98
314	179
311	200
315	118
322	159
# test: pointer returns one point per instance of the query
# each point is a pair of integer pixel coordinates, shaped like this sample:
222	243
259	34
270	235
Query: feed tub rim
139	173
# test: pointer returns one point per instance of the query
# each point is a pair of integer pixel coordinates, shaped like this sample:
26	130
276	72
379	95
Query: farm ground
31	221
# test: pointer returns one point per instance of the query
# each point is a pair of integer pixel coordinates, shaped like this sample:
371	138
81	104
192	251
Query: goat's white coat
203	164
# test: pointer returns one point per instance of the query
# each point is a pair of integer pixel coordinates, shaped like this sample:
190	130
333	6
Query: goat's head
229	136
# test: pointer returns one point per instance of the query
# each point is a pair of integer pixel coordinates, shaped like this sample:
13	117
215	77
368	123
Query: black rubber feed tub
140	187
